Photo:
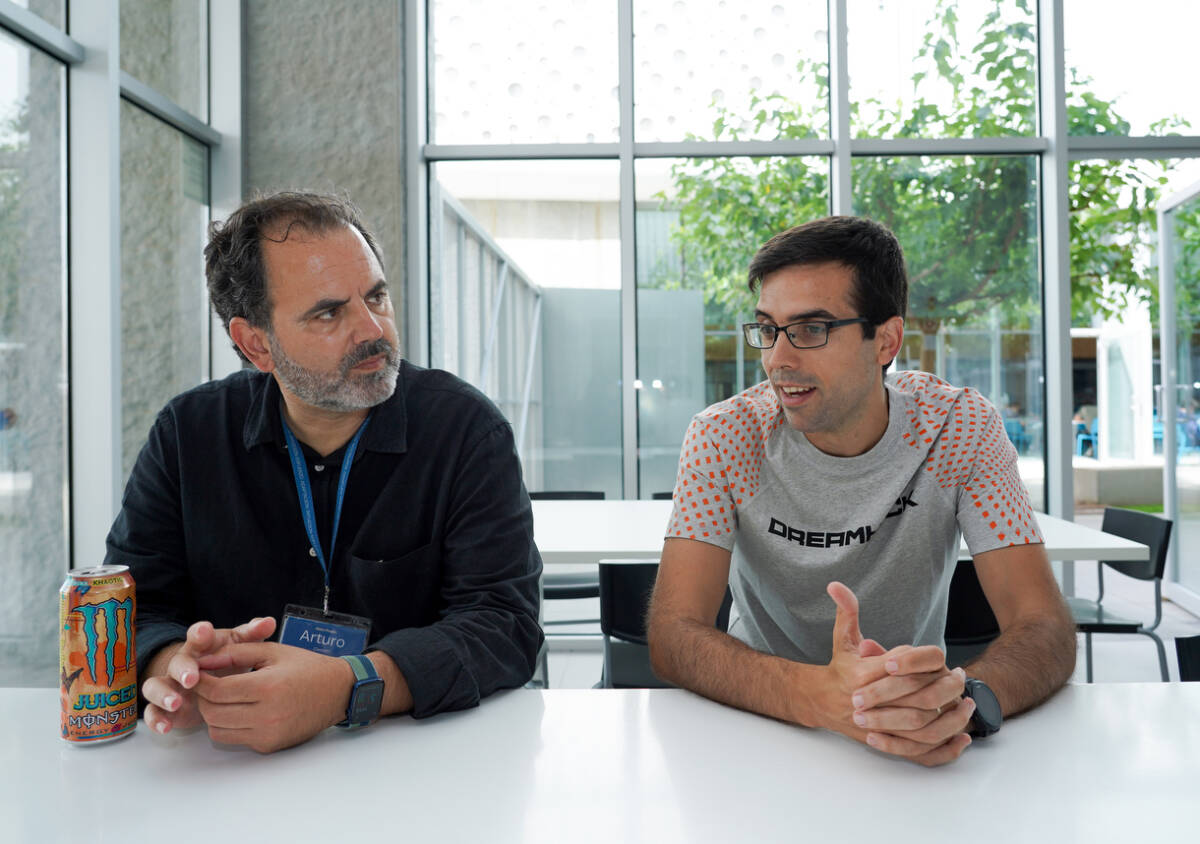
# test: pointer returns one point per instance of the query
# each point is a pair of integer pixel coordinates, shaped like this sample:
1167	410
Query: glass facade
694	77
525	304
937	69
527	71
33	375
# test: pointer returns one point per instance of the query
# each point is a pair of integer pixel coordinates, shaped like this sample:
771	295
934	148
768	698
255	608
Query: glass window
164	43
525	303
526	71
33	374
1114	291
164	312
698	224
969	231
1124	67
51	11
745	70
942	69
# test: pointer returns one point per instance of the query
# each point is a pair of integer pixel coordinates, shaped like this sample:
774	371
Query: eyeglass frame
829	324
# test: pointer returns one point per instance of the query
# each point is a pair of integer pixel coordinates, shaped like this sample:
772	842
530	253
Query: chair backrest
1146	528
1187	648
625	590
567	495
661	496
969	616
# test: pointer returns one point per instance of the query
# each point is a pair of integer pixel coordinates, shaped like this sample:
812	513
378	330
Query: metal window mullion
841	198
1168	360
40	33
225	160
417	204
167	110
1056	268
627	210
94	185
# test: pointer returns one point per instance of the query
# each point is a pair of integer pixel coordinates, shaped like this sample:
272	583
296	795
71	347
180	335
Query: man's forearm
1029	662
714	664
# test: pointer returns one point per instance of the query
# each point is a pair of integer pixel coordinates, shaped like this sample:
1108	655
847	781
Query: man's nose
367	324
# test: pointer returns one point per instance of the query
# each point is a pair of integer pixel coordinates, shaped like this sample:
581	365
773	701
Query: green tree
968	223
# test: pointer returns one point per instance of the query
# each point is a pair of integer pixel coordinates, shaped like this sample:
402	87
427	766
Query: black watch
366	697
988	717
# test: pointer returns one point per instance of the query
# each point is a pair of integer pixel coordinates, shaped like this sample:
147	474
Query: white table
1109	762
587	531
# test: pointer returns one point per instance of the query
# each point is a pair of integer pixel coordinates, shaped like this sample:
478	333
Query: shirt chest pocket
399	592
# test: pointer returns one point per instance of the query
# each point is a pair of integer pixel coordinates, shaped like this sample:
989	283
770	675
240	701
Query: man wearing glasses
830	493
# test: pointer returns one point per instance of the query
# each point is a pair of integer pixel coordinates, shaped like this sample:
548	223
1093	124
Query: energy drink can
97	660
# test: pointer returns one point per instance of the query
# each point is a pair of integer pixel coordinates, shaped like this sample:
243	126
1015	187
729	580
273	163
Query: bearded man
336	534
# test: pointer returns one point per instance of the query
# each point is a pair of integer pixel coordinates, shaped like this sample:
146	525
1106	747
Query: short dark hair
868	248
233	260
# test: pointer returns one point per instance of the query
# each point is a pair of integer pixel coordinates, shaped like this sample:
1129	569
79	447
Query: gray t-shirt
886	523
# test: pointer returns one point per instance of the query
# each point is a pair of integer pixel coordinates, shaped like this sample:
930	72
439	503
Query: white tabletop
1109	762
587	531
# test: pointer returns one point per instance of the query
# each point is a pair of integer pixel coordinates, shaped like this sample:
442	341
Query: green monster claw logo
109	609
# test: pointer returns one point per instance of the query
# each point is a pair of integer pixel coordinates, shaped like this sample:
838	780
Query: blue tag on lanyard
329	633
304	493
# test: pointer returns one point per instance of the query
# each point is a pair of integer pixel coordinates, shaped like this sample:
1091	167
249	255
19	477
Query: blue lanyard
304	491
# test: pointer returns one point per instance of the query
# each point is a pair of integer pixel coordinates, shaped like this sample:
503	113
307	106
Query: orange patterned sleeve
704	502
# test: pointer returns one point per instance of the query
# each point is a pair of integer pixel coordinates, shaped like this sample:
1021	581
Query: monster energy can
96	657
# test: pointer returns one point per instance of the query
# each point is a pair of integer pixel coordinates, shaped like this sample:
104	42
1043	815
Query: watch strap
364	673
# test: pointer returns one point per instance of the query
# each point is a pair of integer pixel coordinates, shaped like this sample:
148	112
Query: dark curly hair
868	248
233	261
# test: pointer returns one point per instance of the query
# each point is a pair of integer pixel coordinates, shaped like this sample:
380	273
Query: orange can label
97	657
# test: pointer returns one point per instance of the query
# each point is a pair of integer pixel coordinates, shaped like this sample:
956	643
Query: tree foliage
968	223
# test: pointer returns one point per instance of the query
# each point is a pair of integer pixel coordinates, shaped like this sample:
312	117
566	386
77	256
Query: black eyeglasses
807	334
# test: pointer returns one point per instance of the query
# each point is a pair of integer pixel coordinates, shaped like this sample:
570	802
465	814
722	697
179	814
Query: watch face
366	701
988	715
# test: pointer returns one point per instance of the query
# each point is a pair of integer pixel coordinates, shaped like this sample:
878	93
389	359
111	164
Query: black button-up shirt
435	543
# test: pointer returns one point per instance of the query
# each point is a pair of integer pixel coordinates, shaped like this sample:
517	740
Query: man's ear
889	336
253	343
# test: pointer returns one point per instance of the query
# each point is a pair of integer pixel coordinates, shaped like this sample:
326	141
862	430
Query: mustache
369	349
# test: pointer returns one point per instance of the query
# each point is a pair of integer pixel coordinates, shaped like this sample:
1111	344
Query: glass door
1179	411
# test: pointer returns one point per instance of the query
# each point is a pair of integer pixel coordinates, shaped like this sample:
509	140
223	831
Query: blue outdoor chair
1090	437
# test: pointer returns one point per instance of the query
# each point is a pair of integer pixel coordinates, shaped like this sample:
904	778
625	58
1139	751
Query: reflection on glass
968	228
33	399
941	69
164	43
698	224
525	304
1127	90
526	71
164	316
724	70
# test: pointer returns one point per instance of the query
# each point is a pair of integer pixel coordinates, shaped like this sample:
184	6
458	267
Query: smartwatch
366	697
987	717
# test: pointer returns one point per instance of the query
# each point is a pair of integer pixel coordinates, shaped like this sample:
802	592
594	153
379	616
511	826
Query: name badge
332	634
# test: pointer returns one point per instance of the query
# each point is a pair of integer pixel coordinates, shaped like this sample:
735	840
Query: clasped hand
903	701
246	690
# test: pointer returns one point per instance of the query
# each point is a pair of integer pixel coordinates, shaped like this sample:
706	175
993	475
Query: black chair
661	496
625	589
1091	616
970	623
1187	648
